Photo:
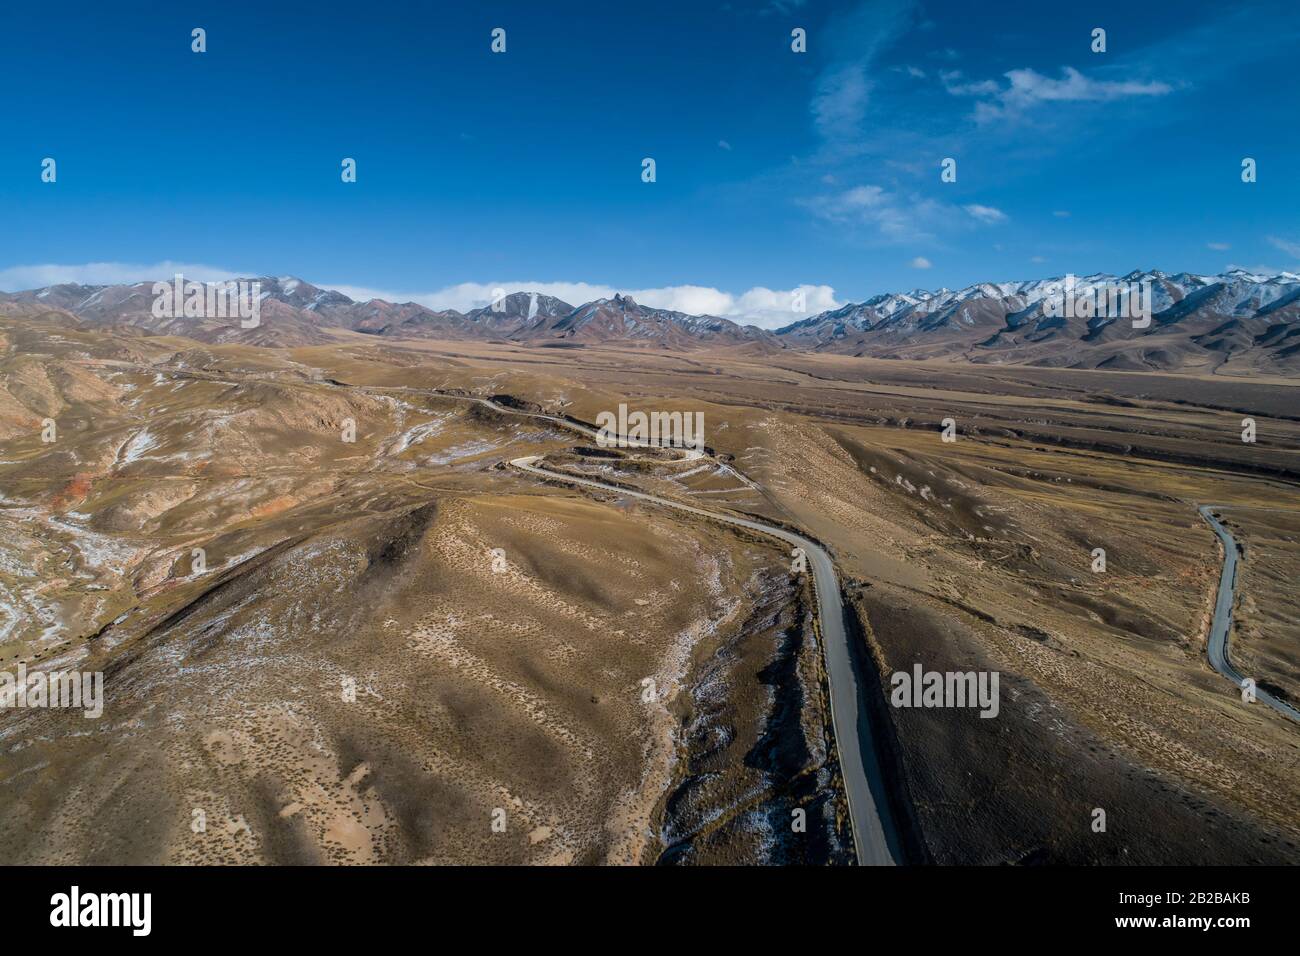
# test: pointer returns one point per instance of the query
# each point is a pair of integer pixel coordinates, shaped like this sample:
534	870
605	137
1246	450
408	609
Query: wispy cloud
955	82
1290	247
1218	246
985	214
921	262
896	217
841	100
892	217
1027	88
855	38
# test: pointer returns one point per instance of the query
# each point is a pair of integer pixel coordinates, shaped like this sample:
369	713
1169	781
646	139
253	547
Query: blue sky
775	170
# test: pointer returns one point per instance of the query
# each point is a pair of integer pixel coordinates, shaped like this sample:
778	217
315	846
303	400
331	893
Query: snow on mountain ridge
1166	291
971	320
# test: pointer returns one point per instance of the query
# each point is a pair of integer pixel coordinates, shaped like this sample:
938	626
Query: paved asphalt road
1217	645
875	836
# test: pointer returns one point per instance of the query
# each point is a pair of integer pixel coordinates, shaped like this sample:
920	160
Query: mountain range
1236	322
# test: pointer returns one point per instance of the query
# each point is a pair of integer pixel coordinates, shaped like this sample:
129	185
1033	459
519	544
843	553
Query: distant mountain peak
1198	322
1235	318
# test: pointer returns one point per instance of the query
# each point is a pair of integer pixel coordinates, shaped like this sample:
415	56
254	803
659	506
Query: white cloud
1218	246
985	214
840	100
1291	248
1027	88
770	308
853	38
894	217
899	218
955	82
19	278
921	262
1037	259
1030	86
723	144
1061	213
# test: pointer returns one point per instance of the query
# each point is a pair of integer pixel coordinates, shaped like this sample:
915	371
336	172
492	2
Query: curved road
1217	644
875	838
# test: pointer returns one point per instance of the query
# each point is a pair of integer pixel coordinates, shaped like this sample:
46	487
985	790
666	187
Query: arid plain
396	642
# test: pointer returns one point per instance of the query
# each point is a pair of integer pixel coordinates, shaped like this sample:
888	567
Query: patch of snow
135	448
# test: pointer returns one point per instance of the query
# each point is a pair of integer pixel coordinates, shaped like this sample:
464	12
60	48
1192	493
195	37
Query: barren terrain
395	642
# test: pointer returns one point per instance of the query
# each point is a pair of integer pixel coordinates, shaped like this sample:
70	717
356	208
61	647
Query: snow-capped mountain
295	312
1233	321
1196	322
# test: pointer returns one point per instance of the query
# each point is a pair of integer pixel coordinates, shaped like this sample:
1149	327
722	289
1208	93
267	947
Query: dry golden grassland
498	631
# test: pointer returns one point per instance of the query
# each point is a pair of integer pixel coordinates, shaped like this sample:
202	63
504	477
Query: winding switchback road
1217	643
